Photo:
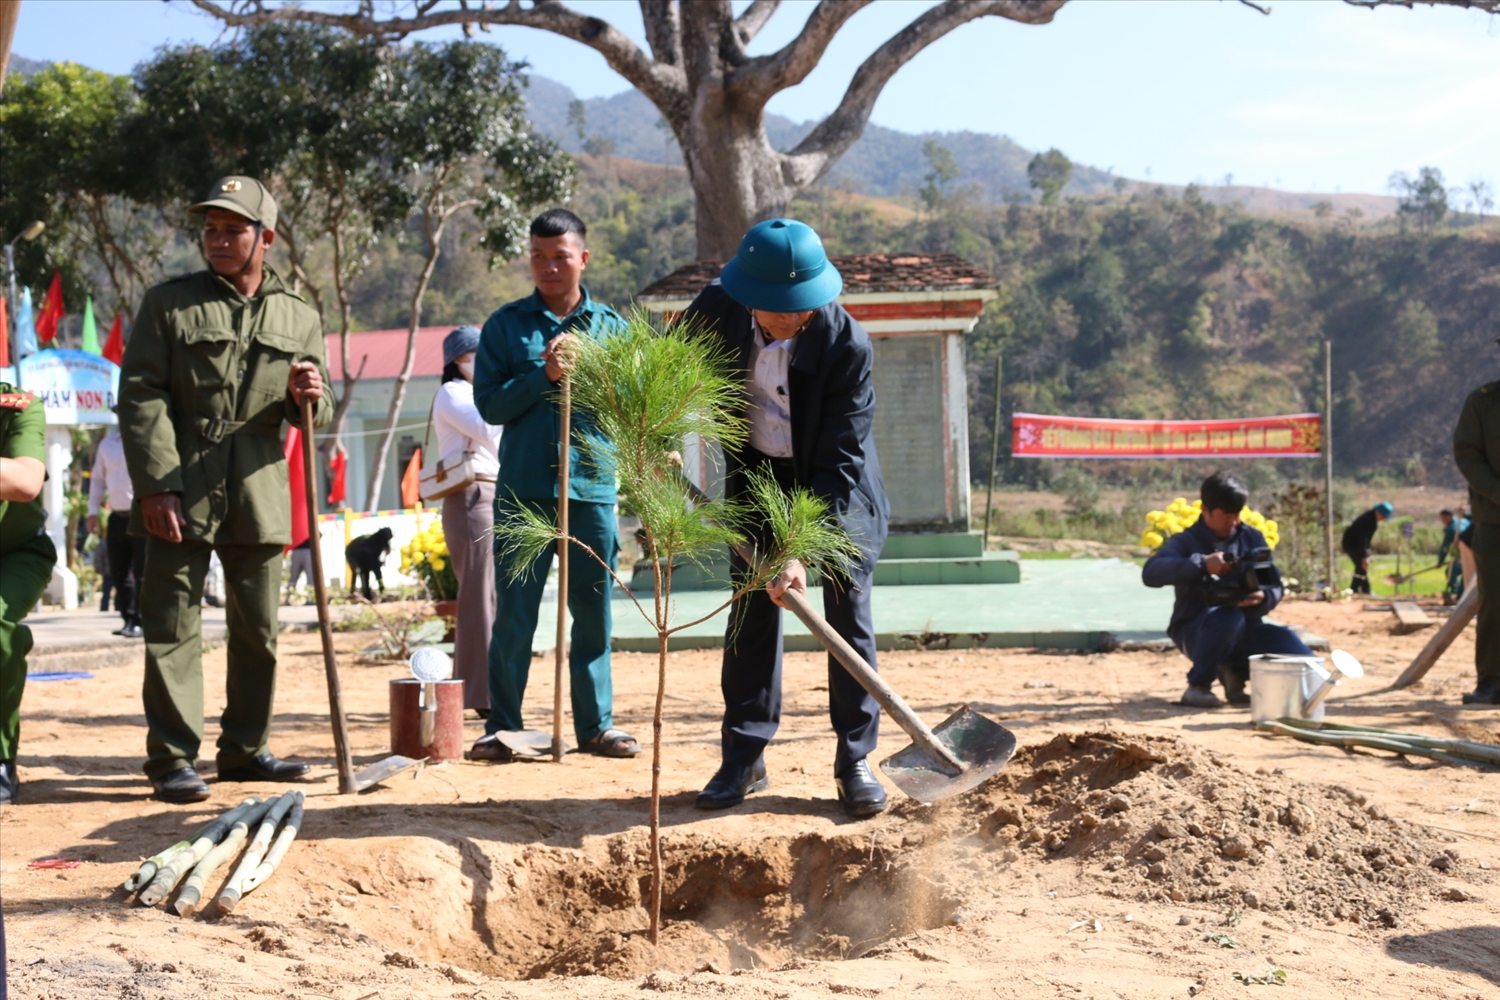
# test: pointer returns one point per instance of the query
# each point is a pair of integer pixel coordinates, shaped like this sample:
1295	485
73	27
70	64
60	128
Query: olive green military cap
243	195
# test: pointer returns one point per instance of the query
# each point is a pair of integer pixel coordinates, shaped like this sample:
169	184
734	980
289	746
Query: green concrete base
989	567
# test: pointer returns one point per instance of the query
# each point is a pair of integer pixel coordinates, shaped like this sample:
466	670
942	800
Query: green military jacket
203	393
23	434
1476	449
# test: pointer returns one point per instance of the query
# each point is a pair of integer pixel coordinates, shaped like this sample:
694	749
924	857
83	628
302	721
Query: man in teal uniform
28	556
523	352
217	362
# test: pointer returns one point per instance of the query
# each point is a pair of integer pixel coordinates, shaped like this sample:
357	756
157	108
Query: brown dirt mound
1160	819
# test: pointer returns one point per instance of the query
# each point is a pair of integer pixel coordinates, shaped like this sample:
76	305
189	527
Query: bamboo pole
1463	613
989	503
1370	741
229	896
1331	568
278	849
564	457
1478	751
172	872
191	895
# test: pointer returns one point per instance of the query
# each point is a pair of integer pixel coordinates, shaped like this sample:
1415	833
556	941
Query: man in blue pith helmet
810	403
1357	539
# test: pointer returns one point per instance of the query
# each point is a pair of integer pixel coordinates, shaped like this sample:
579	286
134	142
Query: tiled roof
864	272
386	351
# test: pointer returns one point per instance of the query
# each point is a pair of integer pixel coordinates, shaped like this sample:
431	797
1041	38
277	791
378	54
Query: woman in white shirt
468	515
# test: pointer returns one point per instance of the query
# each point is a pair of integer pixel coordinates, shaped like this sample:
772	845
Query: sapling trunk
187	901
182	862
278	849
229	896
657	867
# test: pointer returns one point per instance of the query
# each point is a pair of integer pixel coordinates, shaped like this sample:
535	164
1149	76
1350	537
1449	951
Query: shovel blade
982	746
374	774
529	742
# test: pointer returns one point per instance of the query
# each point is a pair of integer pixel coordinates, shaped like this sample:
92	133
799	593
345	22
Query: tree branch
760	78
1488	6
840	130
662	83
663	30
748	24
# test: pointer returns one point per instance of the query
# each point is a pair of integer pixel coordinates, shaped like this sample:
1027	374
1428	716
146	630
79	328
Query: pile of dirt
1159	819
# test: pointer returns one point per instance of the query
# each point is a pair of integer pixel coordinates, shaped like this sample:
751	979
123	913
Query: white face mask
467	367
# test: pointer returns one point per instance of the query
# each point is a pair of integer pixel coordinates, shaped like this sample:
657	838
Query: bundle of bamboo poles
1450	751
199	856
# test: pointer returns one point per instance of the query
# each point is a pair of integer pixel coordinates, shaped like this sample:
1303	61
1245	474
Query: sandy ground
1131	849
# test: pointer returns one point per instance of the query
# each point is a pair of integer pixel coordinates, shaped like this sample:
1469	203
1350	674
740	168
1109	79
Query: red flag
4	336
297	481
411	481
52	310
337	466
114	346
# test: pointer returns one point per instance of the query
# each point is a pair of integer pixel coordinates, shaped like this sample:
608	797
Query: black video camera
1243	578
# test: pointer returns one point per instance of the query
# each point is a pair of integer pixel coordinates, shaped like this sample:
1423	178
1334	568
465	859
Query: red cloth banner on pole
114	345
411	481
1034	435
4	334
297	482
52	310
337	466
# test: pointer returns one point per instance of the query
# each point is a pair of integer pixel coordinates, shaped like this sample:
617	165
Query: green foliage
943	170
1049	173
1423	199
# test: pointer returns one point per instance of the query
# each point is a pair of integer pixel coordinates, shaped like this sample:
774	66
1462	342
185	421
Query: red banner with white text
1035	435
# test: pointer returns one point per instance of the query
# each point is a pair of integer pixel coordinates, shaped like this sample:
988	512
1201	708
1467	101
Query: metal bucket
1281	685
406	720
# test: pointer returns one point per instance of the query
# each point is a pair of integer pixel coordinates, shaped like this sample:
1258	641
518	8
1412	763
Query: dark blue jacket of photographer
1208	635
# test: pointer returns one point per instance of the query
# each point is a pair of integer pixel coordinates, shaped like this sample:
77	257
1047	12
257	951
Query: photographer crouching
1226	585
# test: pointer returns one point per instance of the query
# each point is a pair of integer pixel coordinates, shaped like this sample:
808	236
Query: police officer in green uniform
1476	449
27	554
216	362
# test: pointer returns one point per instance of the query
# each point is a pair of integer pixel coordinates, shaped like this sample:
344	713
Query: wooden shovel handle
320	587
894	705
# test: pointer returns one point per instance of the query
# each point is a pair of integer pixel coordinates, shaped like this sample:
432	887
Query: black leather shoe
181	786
1234	685
264	768
10	785
860	792
1486	693
732	783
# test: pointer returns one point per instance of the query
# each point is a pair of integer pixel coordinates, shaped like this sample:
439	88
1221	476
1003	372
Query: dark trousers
172	602
1361	582
517	601
1229	636
751	674
1486	549
127	565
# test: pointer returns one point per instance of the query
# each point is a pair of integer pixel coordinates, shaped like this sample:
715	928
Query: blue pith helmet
460	342
1385	510
782	267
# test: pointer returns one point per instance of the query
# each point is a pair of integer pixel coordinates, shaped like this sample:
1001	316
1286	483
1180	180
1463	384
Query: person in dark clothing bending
1356	543
1219	639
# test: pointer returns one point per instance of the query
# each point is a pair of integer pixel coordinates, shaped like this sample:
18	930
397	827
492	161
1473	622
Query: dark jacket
1179	563
1476	449
1359	534
830	382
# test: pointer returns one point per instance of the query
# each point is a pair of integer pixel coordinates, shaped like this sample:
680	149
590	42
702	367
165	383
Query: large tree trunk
736	175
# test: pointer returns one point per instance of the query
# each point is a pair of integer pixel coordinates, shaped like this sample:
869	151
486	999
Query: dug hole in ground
1131	848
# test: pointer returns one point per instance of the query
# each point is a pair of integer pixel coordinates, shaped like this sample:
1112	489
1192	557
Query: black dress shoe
264	768
10	785
1234	685
1486	693
732	783
181	786
860	792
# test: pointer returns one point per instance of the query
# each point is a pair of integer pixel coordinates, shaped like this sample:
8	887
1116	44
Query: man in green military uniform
1476	449
216	362
28	556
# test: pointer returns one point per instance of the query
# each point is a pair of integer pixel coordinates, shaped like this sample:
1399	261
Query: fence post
1328	465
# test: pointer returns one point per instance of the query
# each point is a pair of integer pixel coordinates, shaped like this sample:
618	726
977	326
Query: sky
1317	96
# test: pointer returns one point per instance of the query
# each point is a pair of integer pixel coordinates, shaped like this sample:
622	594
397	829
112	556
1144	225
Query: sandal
489	748
612	743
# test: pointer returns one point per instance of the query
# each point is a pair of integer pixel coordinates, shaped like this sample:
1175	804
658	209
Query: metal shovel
350	781
964	751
